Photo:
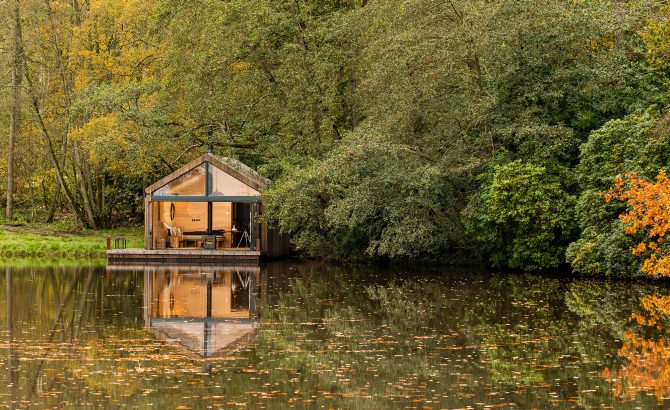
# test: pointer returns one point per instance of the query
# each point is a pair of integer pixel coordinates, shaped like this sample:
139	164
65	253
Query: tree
634	143
372	198
14	125
648	214
656	36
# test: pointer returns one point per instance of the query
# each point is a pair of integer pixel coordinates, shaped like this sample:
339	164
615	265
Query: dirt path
41	230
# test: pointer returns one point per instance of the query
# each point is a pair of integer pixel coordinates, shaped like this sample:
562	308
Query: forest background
519	133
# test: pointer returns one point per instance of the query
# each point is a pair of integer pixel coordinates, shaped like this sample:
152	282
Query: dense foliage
522	216
395	130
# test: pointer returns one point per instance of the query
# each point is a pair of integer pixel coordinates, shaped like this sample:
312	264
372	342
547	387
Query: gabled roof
231	166
203	337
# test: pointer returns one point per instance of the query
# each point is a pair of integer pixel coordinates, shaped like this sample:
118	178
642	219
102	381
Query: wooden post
208	192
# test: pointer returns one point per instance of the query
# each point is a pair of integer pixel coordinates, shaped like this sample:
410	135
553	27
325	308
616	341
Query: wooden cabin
211	203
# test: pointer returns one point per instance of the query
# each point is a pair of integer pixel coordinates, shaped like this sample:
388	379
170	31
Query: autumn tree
630	143
656	36
647	218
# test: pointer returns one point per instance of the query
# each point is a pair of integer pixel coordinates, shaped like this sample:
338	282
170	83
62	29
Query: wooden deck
184	256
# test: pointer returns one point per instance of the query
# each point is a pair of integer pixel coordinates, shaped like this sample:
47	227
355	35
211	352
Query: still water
306	335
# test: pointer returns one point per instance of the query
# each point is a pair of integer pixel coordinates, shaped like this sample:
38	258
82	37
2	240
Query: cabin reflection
205	312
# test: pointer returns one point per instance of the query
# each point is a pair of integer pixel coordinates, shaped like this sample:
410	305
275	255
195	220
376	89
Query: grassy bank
45	240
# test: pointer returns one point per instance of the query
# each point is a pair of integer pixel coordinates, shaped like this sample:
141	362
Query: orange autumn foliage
647	365
647	368
657	312
648	213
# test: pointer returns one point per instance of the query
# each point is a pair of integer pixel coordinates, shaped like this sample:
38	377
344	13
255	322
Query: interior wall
192	217
189	216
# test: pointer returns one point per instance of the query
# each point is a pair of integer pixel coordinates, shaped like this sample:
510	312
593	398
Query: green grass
46	240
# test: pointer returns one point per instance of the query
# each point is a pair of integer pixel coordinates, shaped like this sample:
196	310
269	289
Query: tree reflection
50	314
646	369
12	359
655	313
645	352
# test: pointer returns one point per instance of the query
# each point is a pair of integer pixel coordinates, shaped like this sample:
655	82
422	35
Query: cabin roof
233	167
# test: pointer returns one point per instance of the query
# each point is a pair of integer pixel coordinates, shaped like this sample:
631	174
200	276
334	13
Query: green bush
522	216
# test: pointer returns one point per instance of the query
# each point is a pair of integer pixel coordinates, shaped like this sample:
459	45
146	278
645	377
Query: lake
296	335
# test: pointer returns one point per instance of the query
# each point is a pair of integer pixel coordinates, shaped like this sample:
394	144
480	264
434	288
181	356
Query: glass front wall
191	183
194	183
203	201
224	184
189	220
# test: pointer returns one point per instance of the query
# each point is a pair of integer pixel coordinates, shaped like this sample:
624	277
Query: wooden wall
159	230
275	244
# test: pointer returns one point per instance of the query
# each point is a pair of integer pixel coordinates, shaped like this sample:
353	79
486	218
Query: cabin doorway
242	222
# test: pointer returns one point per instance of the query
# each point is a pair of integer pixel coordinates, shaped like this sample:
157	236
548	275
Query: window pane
224	184
191	183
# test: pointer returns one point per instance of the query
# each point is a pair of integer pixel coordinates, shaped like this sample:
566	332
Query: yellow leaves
648	214
640	249
107	139
86	54
603	44
656	36
111	44
240	66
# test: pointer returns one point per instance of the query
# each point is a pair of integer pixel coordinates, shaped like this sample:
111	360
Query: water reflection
645	353
309	335
205	311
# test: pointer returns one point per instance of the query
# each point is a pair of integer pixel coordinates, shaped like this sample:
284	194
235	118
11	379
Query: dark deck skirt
184	256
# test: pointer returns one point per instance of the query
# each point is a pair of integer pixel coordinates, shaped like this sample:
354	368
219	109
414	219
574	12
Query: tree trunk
53	207
83	177
17	51
60	174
